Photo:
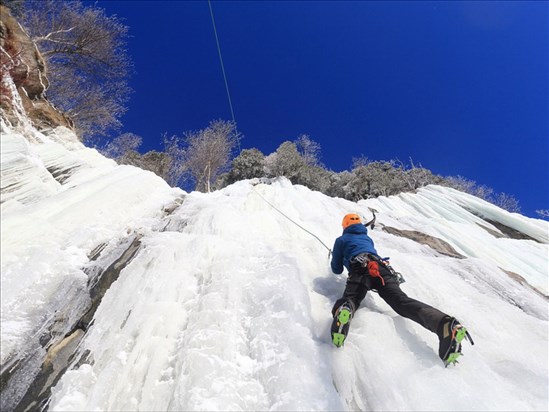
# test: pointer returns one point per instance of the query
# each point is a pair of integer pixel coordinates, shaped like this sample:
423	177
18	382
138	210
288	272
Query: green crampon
461	334
344	316
338	339
452	358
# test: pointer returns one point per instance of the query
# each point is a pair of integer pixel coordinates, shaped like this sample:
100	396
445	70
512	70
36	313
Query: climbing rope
221	61
293	221
371	223
223	70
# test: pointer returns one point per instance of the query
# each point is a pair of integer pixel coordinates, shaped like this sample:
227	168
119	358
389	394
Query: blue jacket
354	241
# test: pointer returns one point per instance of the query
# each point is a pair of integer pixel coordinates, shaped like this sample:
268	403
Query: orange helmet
350	219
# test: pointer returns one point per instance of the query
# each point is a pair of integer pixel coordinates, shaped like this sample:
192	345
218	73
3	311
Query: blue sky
460	87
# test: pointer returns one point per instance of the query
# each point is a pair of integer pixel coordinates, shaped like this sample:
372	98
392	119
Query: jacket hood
356	229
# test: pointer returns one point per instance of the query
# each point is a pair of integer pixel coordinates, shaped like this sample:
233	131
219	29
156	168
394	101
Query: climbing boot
451	333
341	323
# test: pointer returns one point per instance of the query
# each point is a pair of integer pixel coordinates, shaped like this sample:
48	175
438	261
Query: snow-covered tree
168	164
121	145
248	164
380	178
543	213
338	183
209	151
470	186
157	162
506	202
308	149
285	161
299	162
173	147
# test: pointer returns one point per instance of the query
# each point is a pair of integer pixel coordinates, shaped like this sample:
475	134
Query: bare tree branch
209	152
88	65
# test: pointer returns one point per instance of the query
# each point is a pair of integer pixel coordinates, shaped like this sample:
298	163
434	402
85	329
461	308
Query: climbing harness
371	263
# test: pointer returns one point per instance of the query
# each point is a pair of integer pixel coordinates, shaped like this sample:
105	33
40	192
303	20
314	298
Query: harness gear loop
371	263
398	275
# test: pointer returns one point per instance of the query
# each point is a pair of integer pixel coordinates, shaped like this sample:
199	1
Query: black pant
360	281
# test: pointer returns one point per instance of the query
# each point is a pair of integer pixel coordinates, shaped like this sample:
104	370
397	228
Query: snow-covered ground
226	305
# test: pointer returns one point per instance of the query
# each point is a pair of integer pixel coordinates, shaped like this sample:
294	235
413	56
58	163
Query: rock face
21	61
441	246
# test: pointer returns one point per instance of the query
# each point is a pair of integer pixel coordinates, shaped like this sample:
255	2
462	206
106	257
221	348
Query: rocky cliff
24	81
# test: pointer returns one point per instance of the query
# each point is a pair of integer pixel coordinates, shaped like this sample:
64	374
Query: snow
226	305
48	228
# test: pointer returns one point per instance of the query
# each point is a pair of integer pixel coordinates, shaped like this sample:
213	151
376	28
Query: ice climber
355	250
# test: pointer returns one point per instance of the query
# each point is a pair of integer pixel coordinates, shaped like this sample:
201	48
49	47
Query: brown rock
21	60
441	246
